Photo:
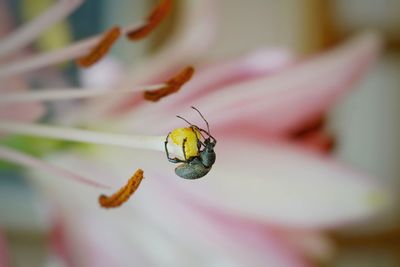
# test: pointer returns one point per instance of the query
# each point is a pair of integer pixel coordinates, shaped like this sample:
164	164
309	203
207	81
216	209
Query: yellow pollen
179	134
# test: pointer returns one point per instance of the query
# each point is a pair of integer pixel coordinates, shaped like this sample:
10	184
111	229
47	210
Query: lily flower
266	199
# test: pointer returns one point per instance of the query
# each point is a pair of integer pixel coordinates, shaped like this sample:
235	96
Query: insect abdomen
191	171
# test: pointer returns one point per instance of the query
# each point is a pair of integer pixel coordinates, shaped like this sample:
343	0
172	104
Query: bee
195	167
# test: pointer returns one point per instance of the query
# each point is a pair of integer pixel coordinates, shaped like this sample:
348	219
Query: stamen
16	157
101	48
76	50
69	93
172	86
124	193
152	21
27	33
86	136
45	59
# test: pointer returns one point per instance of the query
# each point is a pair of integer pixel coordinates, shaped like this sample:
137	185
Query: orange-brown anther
152	21
124	193
101	48
171	86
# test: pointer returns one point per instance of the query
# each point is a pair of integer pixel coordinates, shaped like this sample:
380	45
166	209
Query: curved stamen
198	111
69	93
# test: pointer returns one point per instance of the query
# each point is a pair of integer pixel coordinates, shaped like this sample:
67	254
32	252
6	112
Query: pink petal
209	79
215	76
278	104
158	226
273	105
95	242
244	243
286	186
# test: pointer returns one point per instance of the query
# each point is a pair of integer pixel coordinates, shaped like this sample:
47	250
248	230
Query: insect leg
198	111
198	141
173	160
183	148
213	139
192	125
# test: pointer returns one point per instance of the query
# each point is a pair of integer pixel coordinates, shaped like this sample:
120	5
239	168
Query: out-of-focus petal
208	79
22	112
187	236
97	241
285	101
274	105
214	77
287	186
280	103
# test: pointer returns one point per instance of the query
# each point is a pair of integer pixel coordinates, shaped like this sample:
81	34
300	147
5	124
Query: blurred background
365	123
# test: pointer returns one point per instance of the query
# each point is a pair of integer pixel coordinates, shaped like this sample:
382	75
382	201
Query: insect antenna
208	127
192	125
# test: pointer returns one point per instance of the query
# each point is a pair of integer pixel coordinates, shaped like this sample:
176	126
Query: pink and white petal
99	241
242	242
4	254
209	79
216	76
288	186
247	243
158	225
277	104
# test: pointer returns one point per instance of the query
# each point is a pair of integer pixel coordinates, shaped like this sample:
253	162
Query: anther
124	193
101	48
152	21
172	85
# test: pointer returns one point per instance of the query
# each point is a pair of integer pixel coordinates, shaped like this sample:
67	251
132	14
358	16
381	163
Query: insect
199	165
